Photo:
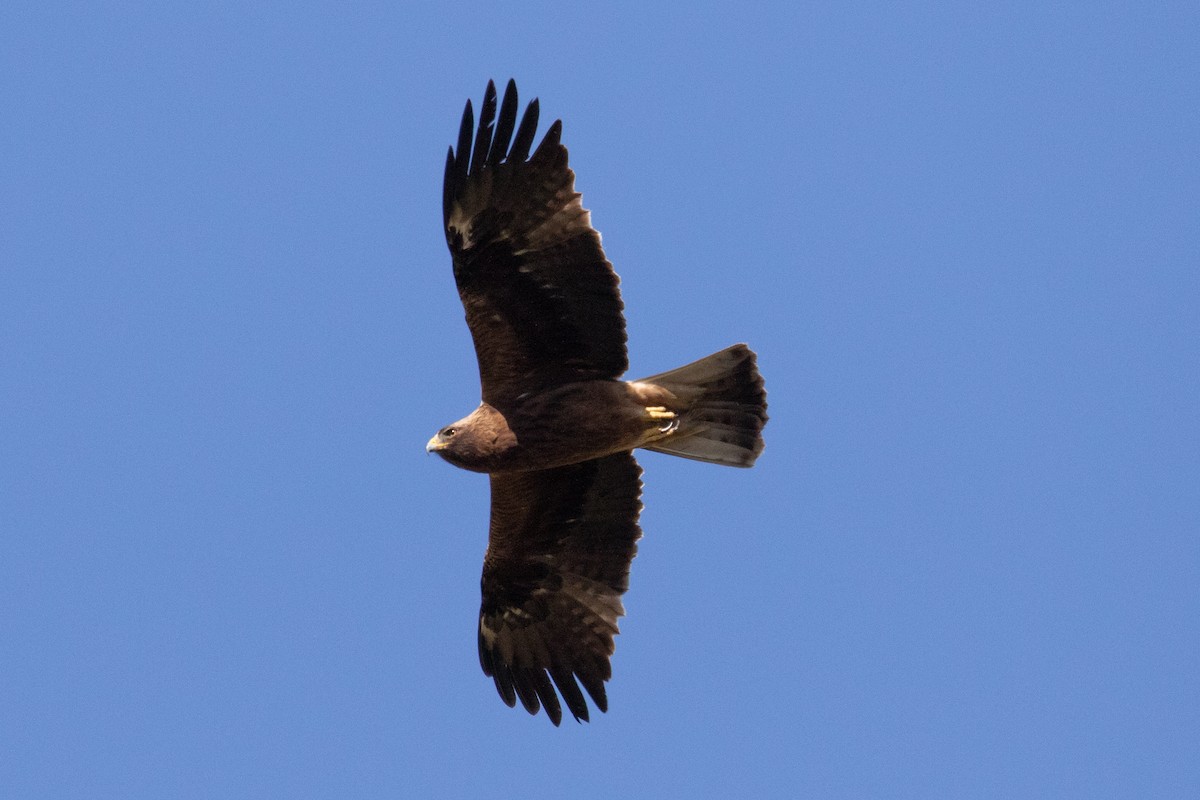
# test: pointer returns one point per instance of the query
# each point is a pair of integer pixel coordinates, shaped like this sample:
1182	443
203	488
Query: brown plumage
557	427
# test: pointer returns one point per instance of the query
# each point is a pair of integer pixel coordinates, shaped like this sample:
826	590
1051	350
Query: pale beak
434	444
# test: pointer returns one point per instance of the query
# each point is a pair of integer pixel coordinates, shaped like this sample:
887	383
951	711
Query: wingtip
489	101
462	151
484	130
525	131
506	121
550	141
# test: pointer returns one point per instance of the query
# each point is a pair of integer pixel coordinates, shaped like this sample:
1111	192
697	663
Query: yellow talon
659	412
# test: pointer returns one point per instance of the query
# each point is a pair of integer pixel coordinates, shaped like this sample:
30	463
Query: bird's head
475	442
444	443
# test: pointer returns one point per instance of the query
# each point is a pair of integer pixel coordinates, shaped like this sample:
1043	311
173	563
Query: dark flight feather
524	140
483	137
504	125
462	157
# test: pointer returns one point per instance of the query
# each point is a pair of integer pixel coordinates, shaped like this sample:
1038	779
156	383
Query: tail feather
723	408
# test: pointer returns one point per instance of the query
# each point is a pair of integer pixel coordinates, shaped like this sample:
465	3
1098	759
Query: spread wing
541	299
557	563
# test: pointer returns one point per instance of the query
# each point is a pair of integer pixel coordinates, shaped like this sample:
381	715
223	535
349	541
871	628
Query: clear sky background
963	238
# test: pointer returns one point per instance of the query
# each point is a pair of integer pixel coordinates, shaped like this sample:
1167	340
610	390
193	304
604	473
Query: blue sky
963	241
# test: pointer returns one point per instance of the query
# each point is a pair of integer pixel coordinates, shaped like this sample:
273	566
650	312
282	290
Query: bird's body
521	437
557	425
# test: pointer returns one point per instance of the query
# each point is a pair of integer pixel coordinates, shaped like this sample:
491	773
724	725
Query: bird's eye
448	432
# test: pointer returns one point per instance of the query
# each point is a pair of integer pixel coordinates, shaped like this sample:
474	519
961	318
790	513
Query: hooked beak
434	444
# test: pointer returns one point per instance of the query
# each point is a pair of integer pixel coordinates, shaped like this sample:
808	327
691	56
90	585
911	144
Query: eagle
557	426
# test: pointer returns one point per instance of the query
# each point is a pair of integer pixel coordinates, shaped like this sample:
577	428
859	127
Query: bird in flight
557	426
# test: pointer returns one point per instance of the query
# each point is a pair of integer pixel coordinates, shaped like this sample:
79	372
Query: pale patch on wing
589	604
604	604
569	218
460	223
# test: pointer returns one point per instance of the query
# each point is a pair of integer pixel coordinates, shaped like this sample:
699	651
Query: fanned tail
723	408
